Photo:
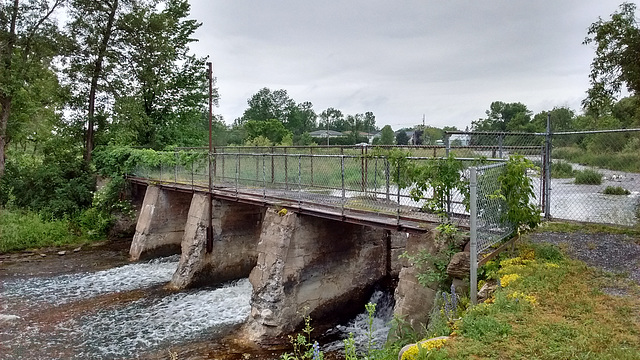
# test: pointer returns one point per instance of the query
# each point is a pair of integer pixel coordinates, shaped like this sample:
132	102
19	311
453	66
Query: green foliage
547	252
479	327
439	176
588	177
272	129
23	230
432	268
402	138
616	190
561	170
516	189
57	185
505	117
615	64
387	136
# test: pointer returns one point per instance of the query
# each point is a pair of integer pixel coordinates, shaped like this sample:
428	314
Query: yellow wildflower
428	345
522	296
507	279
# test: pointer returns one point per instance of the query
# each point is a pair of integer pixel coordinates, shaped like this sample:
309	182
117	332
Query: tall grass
20	230
622	161
588	177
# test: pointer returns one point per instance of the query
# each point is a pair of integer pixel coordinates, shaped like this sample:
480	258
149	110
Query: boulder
459	266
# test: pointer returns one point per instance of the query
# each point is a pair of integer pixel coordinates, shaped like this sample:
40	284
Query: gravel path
611	252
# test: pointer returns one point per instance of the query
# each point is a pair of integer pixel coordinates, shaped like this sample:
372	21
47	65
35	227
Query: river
78	306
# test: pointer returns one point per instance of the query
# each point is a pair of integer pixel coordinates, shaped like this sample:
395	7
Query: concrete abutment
313	265
161	223
236	230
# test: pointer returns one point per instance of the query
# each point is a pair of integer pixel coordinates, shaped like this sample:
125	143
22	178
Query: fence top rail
492	133
360	156
594	132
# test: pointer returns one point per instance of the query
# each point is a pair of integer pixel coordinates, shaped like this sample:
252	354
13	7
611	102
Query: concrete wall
315	265
236	230
161	223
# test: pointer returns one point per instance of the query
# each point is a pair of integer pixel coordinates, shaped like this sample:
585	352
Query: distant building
326	134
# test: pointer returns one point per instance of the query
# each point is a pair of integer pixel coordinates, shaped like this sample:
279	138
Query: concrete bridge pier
161	222
236	230
313	265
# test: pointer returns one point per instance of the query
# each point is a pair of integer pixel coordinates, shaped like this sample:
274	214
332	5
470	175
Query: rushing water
359	326
62	317
124	313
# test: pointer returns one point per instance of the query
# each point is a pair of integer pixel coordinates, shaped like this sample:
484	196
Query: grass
616	190
628	161
562	170
588	177
20	230
567	227
554	309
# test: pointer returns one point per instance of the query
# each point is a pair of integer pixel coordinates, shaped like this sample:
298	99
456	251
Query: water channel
123	312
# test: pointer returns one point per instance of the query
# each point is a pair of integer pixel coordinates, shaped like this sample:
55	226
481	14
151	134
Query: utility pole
209	197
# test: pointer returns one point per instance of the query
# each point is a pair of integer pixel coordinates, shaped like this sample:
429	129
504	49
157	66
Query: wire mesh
492	226
595	176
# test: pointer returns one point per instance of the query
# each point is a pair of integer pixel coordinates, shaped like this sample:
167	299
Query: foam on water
360	325
130	331
66	288
147	323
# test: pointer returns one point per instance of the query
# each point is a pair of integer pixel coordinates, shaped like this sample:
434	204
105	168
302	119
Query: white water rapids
89	316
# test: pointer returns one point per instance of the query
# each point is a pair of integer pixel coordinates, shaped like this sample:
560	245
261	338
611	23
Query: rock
62	253
459	265
7	318
43	255
461	286
487	290
422	344
77	249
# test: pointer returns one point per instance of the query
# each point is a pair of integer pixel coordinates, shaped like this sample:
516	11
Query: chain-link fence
586	176
354	183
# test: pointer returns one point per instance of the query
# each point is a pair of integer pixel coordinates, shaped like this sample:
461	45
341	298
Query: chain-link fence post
447	144
547	171
473	234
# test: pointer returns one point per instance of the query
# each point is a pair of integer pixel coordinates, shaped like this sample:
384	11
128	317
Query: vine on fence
516	190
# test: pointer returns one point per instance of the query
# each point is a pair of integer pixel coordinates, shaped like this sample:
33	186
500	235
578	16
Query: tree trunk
97	72
5	99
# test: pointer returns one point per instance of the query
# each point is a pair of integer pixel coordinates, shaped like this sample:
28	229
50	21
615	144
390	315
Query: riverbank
22	230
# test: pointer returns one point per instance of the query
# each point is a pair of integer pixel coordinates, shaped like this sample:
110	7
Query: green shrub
548	252
25	230
561	170
616	190
588	177
58	185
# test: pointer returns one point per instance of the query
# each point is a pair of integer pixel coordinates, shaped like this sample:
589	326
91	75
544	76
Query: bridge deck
386	213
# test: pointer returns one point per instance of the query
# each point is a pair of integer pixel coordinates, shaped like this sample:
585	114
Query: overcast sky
401	59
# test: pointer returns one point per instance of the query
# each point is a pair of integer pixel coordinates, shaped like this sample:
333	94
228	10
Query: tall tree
402	138
166	87
329	118
503	116
92	58
267	104
28	38
616	64
387	136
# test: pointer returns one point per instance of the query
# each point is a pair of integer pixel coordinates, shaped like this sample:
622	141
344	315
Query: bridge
312	227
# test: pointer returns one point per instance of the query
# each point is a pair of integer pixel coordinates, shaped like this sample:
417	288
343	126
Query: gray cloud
446	59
